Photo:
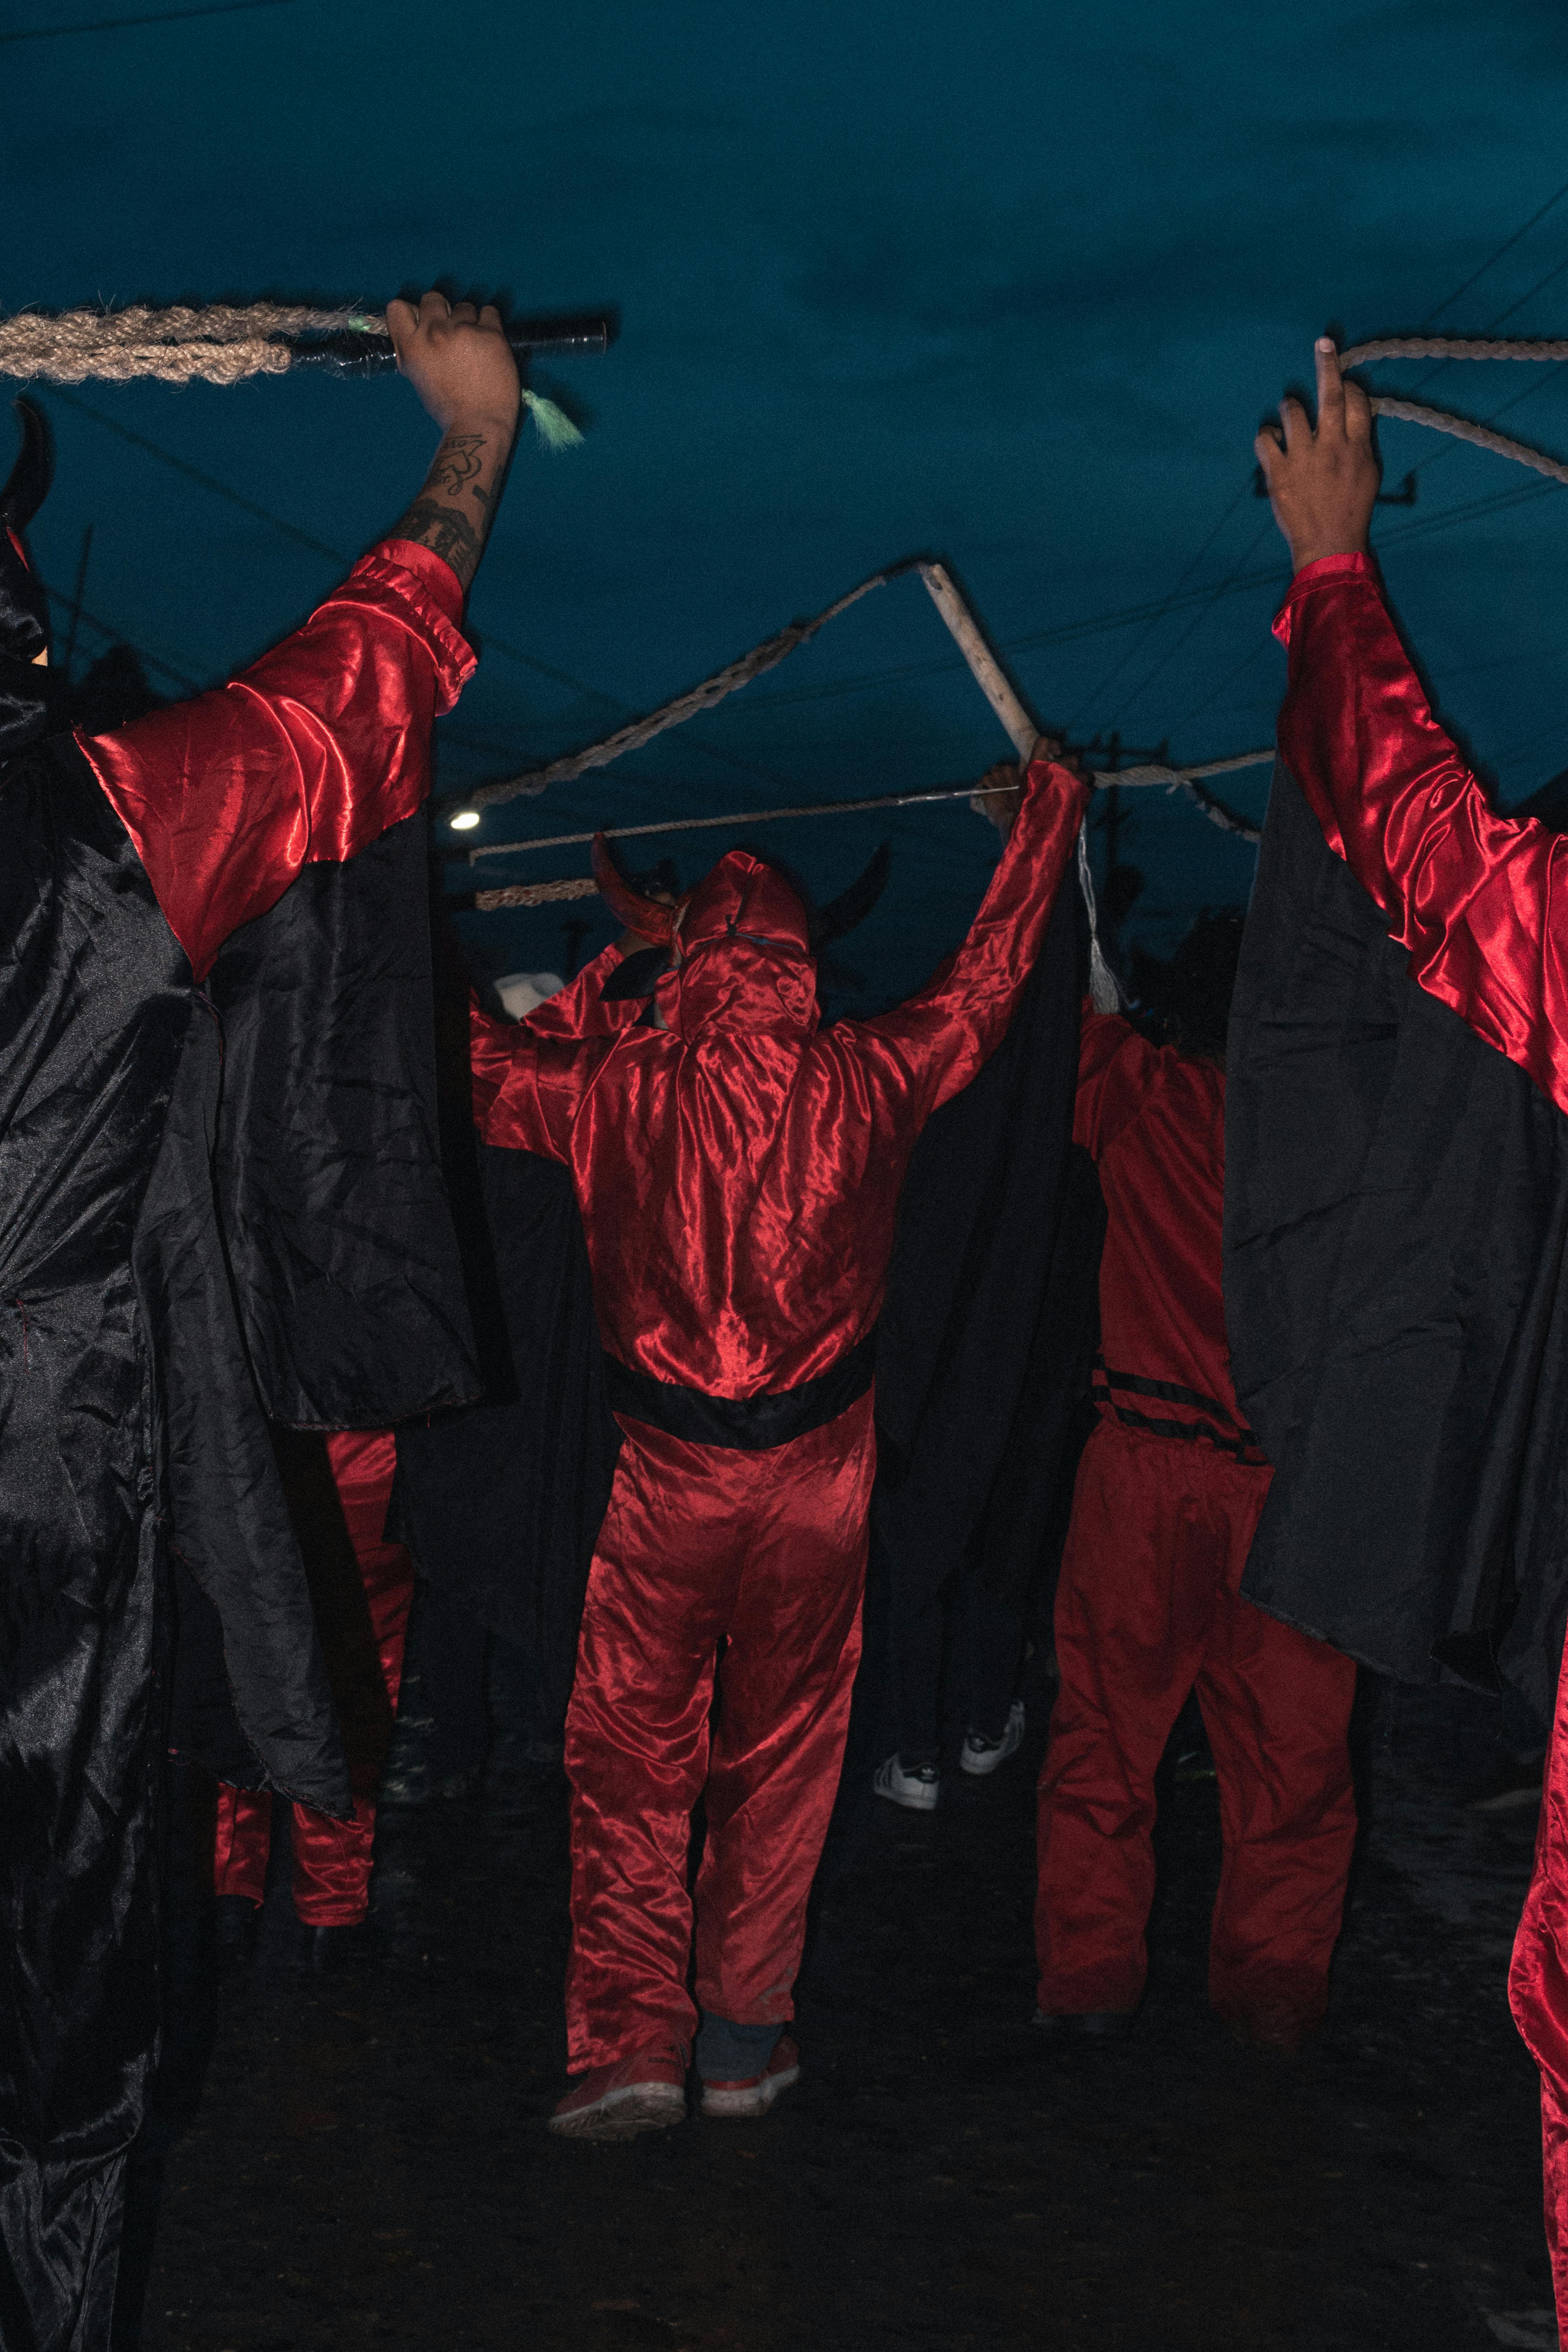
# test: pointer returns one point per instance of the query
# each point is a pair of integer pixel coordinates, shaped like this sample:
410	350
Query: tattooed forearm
452	536
453	512
460	459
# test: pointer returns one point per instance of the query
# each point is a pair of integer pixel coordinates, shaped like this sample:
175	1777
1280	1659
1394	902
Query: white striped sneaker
918	1789
982	1756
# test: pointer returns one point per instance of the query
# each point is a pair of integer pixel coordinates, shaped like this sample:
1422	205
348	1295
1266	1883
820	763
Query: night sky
1011	282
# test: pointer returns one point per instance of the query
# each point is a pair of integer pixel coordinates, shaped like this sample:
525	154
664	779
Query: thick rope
714	689
218	343
1459	347
1452	347
534	894
221	343
1187	781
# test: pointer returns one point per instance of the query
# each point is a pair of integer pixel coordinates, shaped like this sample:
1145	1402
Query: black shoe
325	1950
1086	2024
237	1922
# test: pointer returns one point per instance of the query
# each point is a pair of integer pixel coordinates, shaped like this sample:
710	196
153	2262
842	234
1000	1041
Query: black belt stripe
753	1423
1169	1392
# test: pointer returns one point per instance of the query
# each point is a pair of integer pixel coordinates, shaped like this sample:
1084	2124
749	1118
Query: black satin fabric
33	698
501	1505
92	1017
1396	1293
217	1207
989	1326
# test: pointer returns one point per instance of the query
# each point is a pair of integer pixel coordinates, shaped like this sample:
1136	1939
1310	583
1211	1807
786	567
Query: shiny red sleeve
309	753
1472	895
524	1084
958	1021
579	1010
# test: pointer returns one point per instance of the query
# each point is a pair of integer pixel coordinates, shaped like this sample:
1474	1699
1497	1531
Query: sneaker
918	1789
979	1755
646	2092
756	2094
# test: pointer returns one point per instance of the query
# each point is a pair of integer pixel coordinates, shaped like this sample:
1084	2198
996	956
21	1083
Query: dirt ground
360	2158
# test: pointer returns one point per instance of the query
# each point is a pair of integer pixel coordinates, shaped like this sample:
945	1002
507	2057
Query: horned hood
746	960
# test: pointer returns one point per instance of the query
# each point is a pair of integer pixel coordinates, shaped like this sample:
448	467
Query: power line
1506	247
126	24
1138	644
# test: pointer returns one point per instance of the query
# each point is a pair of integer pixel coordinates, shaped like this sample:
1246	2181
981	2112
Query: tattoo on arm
453	513
451	535
460	457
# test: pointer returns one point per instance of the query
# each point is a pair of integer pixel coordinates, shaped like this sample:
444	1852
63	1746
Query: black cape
1396	1219
501	1505
993	1294
131	1248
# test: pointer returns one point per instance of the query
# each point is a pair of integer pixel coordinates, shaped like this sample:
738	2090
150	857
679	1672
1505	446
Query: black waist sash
753	1422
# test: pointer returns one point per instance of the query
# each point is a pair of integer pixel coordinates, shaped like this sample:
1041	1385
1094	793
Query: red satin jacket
738	1172
309	753
1154	1122
1471	894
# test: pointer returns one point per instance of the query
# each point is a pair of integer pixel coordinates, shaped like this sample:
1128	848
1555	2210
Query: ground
360	2158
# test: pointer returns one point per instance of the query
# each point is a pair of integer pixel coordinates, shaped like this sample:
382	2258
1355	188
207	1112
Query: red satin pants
719	1644
1148	1608
332	1859
1538	1992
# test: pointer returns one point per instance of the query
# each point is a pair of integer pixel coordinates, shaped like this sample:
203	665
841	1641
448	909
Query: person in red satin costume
1474	898
332	1859
738	1169
1166	1501
322	744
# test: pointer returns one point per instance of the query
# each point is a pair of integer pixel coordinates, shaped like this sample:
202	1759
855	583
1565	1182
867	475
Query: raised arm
324	742
959	1018
1472	895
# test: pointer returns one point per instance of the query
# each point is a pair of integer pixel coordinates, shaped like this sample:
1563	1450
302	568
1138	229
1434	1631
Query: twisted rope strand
1460	346
181	344
1441	420
1452	347
714	689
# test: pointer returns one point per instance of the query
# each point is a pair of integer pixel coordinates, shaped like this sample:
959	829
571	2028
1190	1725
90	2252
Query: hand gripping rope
218	342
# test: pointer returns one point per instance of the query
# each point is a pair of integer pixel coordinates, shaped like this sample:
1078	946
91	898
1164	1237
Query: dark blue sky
1012	282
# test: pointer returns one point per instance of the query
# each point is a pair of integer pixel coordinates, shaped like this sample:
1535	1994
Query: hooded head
743	942
32	696
745	953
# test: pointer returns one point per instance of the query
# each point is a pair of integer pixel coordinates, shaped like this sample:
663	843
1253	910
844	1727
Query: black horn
27	484
853	906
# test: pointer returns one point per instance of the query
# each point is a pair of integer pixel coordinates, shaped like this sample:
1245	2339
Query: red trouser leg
1147	1607
1130	1623
1538	1992
242	1839
764	1552
1277	1708
332	1859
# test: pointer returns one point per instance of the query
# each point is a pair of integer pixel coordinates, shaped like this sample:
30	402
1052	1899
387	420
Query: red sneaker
757	2094
646	2092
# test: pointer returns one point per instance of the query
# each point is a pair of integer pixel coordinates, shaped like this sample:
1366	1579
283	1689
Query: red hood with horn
738	1170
